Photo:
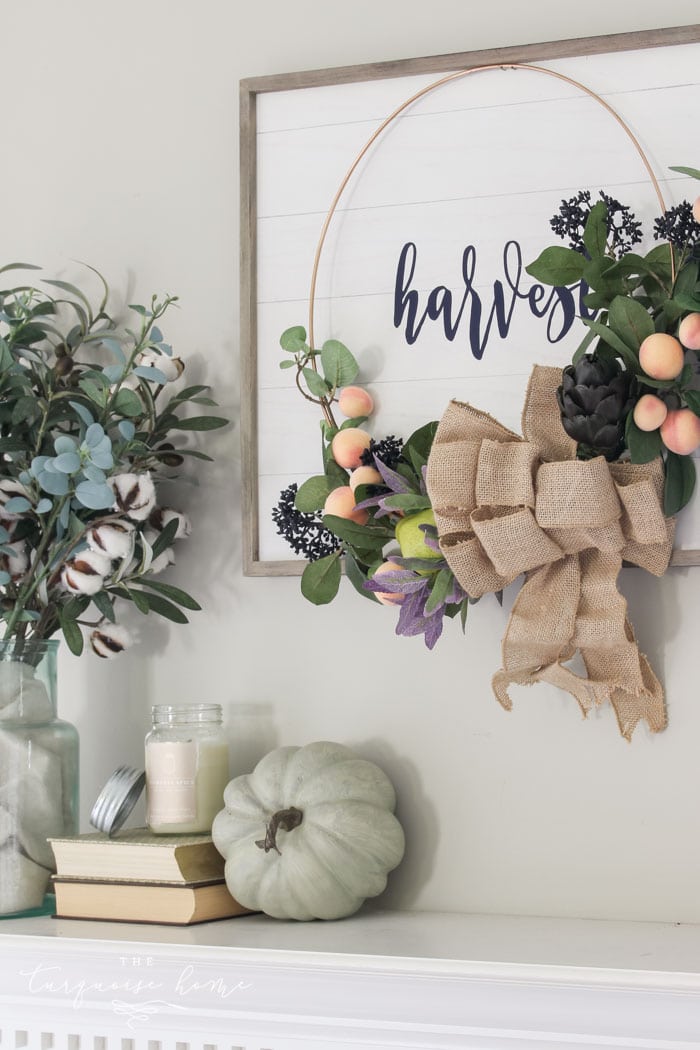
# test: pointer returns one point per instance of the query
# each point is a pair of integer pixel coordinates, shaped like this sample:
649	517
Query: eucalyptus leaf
408	502
420	442
643	445
188	393
583	347
442	585
293	340
84	414
127	403
692	399
104	605
557	266
175	594
686	302
72	633
312	494
595	234
357	577
336	474
94	495
113	373
151	373
619	345
365	536
320	579
693	172
351	424
17	505
67	462
200	423
18	266
317	384
133	595
54	484
96	393
165	538
126	428
680	482
157	604
339	366
64	443
630	321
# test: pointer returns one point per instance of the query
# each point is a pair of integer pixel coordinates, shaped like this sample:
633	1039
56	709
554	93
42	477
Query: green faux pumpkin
309	834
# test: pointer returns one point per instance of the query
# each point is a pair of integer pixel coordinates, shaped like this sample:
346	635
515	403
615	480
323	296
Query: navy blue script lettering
559	307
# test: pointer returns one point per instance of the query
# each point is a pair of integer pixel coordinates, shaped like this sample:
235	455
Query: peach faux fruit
649	412
680	431
365	476
689	331
696	209
387	597
348	445
354	401
341	502
661	356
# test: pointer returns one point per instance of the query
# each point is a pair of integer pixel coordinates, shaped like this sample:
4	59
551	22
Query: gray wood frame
254	86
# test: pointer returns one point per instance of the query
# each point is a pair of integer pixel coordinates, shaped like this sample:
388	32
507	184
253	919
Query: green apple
411	538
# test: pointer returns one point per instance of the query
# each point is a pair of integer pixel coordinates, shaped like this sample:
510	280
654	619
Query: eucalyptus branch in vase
88	430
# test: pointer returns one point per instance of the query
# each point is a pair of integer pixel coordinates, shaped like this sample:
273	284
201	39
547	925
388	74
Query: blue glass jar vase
38	774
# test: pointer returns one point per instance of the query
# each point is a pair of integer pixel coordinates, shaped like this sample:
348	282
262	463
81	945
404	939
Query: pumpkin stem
288	819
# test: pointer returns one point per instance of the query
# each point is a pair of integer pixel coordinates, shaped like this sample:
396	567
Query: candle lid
117	799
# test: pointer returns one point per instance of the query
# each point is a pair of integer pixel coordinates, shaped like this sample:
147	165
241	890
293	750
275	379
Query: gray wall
120	127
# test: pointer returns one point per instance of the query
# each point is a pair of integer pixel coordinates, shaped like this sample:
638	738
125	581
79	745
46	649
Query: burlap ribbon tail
506	505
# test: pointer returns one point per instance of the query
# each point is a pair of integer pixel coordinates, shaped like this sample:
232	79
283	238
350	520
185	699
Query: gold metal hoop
459	75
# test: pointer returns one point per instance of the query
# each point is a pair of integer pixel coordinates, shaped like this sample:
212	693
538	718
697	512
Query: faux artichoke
594	400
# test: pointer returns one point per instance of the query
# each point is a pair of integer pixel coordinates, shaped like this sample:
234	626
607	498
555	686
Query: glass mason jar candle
187	768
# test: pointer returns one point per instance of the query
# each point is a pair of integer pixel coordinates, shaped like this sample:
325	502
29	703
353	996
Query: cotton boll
160	517
135	495
16	561
171	367
86	573
162	560
113	539
32	794
110	639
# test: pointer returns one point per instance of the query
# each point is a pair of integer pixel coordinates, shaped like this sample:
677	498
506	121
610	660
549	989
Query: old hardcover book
163	903
138	855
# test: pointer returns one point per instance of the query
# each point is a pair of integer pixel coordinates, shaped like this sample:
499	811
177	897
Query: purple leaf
394	481
418	564
395	583
411	618
433	630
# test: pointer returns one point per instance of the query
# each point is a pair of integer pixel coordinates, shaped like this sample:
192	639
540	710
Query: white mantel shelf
380	979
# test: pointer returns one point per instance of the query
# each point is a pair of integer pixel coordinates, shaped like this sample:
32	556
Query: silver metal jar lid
117	799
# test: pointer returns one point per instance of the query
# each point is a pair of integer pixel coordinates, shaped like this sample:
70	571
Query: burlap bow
506	505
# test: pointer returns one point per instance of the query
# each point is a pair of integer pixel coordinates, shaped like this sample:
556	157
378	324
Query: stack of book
137	876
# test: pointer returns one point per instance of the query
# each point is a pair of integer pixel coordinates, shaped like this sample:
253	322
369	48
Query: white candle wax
185	781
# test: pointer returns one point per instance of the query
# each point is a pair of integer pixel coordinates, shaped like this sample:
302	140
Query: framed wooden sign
421	272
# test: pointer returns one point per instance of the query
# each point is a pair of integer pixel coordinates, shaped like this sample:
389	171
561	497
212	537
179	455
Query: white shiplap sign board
462	187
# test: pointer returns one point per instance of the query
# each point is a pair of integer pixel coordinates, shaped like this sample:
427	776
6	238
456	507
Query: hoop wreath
472	505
